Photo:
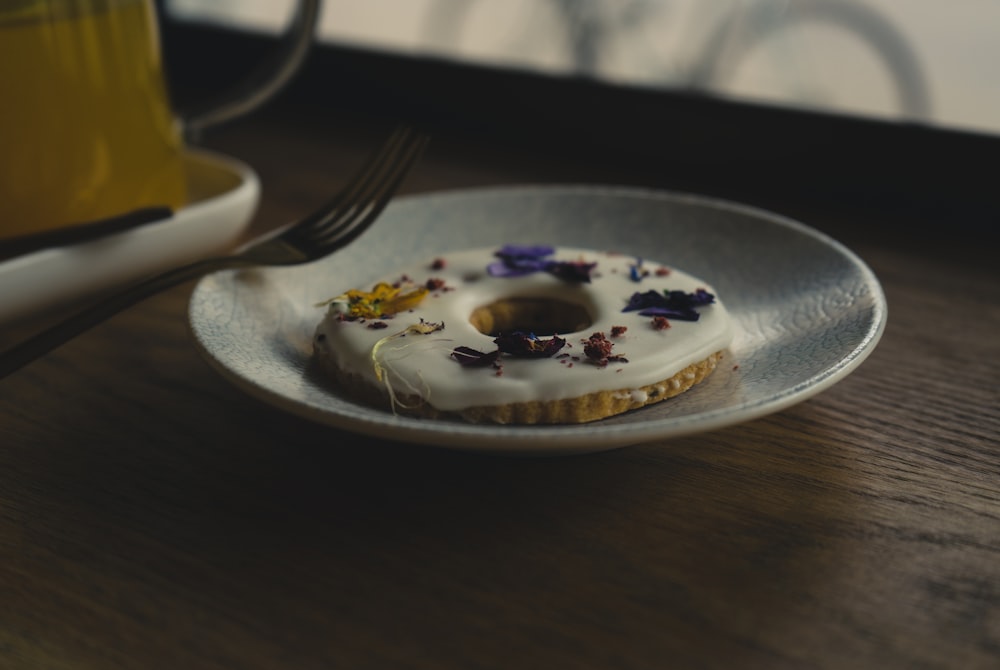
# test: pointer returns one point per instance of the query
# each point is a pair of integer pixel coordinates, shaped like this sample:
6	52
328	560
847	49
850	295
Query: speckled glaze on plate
807	310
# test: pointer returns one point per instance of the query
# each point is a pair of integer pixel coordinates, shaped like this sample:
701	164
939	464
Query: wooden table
153	516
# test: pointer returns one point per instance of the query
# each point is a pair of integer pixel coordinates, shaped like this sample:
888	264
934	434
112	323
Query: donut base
582	409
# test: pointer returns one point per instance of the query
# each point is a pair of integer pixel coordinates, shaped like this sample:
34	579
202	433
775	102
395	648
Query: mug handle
264	82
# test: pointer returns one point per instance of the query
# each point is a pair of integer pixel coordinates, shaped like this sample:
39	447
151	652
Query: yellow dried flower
383	300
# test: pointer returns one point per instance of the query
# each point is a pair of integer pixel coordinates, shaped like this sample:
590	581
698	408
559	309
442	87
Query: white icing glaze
421	364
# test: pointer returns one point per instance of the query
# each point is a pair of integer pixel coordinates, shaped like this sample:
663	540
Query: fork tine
353	196
340	228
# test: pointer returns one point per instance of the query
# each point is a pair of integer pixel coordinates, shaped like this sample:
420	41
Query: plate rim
587	437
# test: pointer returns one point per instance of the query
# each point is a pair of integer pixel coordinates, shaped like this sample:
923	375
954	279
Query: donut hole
541	316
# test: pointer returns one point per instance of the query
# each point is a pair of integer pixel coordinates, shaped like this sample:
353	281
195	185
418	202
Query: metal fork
334	225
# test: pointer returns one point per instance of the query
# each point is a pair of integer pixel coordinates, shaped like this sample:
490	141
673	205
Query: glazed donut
523	334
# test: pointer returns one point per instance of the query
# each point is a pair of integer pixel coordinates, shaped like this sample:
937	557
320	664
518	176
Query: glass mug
87	130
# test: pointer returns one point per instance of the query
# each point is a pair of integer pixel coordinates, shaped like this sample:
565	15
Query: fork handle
42	343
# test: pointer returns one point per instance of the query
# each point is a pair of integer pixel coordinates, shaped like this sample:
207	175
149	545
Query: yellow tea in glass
86	128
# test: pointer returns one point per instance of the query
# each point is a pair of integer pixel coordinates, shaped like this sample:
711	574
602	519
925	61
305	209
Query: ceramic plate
807	310
223	197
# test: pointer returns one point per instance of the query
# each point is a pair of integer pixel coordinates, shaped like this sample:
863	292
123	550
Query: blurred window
922	61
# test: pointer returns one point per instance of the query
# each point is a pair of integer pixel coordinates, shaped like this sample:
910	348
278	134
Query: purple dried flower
468	357
525	251
643	300
512	269
699	297
681	314
517	260
673	304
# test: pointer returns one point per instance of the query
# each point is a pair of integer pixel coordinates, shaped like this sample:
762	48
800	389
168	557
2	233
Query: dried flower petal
528	345
685	314
403	302
517	260
424	327
576	271
382	301
674	304
597	347
525	251
468	357
636	271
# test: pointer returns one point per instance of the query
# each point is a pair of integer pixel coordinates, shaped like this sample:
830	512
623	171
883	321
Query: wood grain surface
153	516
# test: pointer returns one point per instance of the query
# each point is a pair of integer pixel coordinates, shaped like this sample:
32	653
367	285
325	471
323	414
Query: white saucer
807	310
224	196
